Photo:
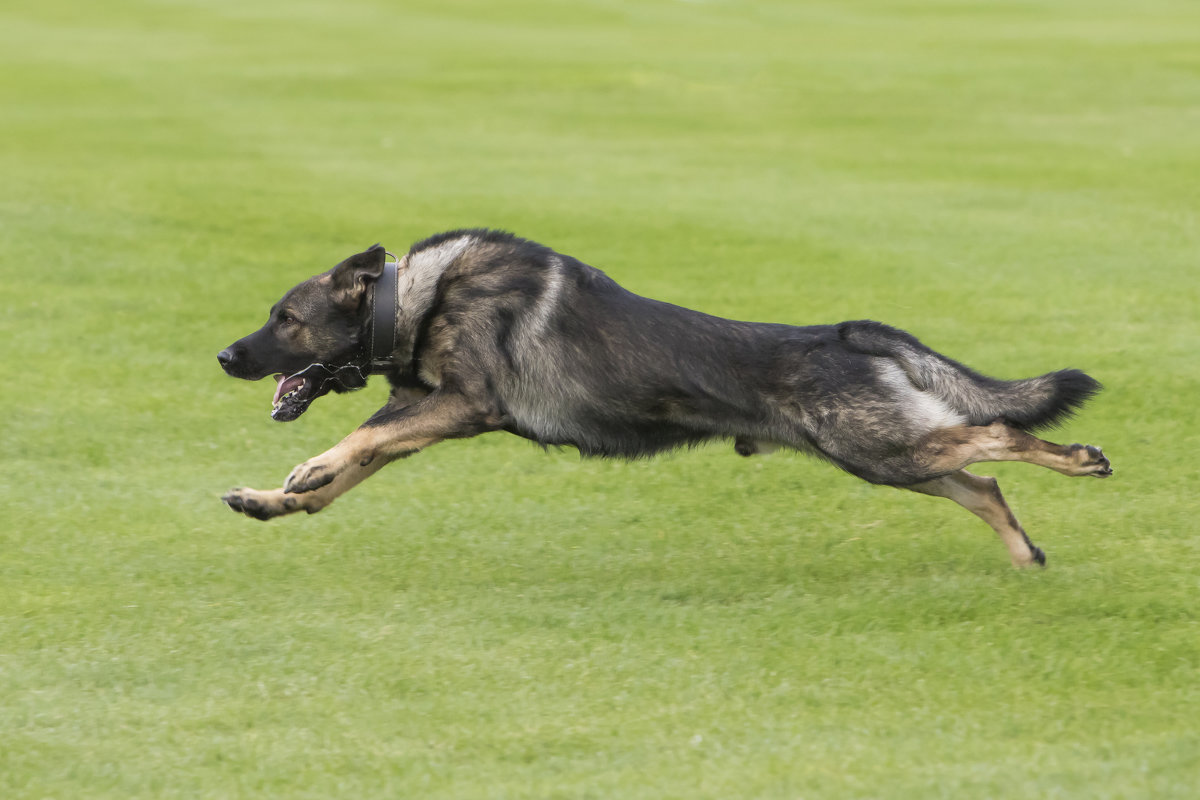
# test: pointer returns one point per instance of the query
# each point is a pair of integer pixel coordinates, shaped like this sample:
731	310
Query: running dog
478	331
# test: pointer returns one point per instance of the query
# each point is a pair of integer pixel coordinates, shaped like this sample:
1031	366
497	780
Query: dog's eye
286	319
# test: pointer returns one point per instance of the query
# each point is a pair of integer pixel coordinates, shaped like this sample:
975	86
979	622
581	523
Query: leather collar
385	308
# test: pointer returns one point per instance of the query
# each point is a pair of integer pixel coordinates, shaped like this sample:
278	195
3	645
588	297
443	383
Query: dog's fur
500	333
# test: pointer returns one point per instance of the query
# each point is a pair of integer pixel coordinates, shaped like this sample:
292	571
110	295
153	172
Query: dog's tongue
285	385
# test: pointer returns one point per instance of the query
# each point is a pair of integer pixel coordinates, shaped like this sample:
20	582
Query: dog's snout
225	357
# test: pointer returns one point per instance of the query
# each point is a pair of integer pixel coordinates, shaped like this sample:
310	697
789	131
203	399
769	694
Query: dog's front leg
393	433
265	505
270	503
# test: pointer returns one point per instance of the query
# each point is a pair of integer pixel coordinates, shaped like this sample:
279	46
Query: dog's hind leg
981	496
952	449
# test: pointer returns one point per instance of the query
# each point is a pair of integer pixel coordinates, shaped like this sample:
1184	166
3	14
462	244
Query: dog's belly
598	431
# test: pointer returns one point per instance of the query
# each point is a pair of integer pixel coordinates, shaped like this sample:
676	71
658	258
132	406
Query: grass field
1014	182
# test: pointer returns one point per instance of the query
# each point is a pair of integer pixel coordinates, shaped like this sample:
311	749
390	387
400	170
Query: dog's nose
225	357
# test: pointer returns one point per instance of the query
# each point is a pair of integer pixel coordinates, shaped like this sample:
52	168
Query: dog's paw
311	475
1036	557
1091	461
259	505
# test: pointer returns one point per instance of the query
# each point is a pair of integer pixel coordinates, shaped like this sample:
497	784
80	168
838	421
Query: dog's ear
352	276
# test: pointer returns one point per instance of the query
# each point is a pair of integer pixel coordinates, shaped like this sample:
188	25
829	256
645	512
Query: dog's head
313	342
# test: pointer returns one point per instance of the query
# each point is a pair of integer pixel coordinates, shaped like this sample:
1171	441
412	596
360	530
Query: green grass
1014	182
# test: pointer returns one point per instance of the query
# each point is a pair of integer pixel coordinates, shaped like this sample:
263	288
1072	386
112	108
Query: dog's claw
233	498
1102	466
1092	461
243	503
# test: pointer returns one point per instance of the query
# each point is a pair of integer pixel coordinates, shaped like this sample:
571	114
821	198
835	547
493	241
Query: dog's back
575	359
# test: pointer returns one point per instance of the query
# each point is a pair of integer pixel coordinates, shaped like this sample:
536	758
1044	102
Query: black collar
385	307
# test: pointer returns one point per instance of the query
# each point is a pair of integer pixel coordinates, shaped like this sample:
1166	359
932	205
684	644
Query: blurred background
1013	182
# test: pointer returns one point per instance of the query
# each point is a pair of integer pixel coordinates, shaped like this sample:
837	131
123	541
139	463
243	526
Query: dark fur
514	336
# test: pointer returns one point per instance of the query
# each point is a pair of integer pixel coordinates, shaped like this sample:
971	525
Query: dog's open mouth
295	393
292	396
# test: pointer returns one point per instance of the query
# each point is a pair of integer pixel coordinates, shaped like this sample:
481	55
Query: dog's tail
1029	404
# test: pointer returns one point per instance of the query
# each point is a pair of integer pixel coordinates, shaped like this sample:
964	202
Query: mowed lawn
1018	184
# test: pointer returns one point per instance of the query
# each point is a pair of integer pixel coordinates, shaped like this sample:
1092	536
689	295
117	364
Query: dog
479	330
